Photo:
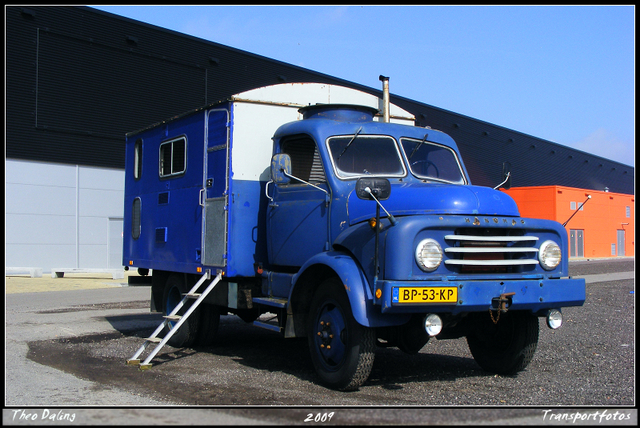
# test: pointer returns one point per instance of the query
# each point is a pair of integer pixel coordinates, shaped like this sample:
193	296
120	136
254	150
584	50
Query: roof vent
339	112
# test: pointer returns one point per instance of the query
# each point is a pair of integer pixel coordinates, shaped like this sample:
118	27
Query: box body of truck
195	184
280	191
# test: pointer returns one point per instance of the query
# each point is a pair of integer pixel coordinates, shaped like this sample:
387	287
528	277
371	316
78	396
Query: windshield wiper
349	143
418	146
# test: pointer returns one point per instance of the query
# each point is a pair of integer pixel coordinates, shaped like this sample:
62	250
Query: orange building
603	227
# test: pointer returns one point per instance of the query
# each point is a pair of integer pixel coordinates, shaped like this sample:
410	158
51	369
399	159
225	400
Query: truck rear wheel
173	294
342	350
506	347
209	323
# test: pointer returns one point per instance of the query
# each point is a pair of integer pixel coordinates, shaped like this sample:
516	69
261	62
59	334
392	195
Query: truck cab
447	257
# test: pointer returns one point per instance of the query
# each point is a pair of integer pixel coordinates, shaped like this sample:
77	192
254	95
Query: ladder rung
180	319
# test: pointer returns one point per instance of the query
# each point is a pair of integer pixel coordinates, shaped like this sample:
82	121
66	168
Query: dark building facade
78	79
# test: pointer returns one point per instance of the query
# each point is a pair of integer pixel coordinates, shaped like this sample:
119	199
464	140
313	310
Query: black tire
248	315
209	323
342	351
412	336
173	293
506	347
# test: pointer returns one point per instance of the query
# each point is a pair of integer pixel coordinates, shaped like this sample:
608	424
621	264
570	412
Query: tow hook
503	301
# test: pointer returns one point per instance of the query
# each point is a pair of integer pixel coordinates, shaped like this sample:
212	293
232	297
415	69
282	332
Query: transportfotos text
597	416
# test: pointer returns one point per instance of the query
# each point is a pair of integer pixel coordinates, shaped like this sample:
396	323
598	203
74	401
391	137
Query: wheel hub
326	334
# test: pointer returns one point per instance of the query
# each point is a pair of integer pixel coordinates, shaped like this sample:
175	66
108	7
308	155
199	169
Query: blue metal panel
297	224
432	198
215	182
356	286
277	285
398	245
216	153
246	227
167	204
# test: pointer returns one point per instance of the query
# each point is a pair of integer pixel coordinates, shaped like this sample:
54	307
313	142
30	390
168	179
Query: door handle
266	192
201	198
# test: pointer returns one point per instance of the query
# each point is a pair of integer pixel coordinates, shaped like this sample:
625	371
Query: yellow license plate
424	295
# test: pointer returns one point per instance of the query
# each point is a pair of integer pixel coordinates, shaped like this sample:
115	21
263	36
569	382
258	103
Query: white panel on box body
254	125
254	118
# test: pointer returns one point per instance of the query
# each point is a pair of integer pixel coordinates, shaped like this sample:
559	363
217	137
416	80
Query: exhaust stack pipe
385	98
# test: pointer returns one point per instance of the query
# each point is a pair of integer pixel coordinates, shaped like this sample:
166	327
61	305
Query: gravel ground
588	364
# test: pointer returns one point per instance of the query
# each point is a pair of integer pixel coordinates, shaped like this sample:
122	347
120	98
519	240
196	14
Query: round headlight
428	255
550	255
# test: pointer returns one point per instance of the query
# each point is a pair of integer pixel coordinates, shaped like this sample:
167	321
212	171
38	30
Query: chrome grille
489	253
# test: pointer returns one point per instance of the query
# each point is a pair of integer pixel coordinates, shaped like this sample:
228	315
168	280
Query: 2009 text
319	417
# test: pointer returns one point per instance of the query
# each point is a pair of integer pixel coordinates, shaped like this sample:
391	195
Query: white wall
61	216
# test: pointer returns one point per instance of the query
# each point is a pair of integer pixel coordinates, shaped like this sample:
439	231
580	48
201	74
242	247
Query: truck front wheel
505	347
342	350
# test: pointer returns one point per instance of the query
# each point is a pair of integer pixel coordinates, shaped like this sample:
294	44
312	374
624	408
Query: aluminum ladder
192	294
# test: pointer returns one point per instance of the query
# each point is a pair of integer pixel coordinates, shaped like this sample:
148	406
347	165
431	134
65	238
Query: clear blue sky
562	73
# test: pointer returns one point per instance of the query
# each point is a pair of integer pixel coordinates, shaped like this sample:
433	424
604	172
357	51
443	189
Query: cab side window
137	159
305	160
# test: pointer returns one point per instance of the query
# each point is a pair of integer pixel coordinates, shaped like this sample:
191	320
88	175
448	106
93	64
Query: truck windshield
432	161
365	155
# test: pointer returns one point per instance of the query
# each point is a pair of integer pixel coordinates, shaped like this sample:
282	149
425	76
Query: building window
173	157
573	206
135	219
627	211
613	249
137	159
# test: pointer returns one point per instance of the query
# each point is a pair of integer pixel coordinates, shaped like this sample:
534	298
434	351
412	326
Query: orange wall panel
600	219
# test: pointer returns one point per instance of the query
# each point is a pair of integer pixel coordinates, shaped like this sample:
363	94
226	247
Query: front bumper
474	296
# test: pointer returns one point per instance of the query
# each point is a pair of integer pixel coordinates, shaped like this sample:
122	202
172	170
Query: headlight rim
419	259
543	255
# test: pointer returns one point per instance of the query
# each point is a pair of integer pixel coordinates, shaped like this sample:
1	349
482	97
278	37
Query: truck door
297	217
213	196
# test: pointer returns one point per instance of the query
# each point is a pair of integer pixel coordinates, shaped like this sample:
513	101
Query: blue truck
323	212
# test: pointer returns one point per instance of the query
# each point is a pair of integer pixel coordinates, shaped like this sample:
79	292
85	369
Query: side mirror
379	187
280	164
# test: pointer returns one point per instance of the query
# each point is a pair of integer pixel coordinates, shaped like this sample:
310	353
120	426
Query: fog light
554	319
432	324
